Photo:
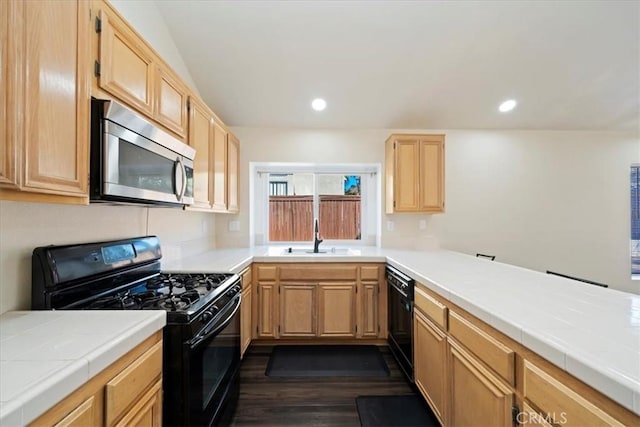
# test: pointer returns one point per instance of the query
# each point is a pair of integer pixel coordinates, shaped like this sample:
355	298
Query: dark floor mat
326	361
397	411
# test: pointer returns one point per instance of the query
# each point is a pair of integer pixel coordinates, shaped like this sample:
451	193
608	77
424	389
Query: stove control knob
206	316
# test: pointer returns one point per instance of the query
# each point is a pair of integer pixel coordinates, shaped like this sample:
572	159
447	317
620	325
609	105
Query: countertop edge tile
101	358
73	373
53	389
11	414
615	388
555	354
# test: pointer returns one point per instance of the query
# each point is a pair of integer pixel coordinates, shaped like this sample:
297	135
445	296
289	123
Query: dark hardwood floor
269	401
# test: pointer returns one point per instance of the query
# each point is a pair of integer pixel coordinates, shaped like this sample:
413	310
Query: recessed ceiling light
507	106
319	104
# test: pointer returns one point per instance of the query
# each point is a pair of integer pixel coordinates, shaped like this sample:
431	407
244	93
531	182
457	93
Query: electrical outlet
422	224
389	225
234	225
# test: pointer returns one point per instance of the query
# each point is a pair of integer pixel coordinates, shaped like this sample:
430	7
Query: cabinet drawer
265	272
428	305
491	351
557	401
313	272
529	417
369	272
83	415
247	278
129	384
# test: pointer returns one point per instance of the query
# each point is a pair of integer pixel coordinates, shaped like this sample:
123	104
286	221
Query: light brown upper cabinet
44	101
226	156
414	173
201	138
128	69
171	102
233	173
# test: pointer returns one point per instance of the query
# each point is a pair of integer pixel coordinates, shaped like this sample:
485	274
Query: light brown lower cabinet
559	404
246	310
322	301
245	320
478	397
128	392
83	415
266	310
337	310
430	364
297	310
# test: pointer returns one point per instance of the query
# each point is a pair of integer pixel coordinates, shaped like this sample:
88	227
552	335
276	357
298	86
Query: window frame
371	199
634	202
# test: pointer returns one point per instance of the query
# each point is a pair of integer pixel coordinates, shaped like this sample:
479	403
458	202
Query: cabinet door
147	412
8	148
430	355
407	175
126	67
54	50
267	310
127	389
337	309
233	165
297	310
369	310
171	103
431	175
201	138
478	397
219	198
245	320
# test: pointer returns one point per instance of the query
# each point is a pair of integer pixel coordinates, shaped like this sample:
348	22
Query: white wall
145	17
25	226
539	199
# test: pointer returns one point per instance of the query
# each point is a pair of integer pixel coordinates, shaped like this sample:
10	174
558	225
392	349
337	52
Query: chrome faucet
316	240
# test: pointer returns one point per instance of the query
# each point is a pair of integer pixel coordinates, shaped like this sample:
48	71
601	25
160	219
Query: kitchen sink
327	251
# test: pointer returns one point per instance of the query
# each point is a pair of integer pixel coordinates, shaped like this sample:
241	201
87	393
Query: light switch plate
389	225
234	225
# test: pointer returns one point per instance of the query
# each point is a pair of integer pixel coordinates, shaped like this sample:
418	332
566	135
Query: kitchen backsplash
28	225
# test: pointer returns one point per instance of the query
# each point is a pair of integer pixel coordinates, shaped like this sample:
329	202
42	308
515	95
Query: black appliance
400	312
134	161
202	335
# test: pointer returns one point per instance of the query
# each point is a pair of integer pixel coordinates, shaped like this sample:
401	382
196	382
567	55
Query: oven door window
213	363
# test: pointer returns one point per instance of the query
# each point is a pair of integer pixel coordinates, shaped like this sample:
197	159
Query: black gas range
202	336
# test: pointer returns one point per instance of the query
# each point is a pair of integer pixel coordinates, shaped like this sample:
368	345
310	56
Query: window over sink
289	197
635	222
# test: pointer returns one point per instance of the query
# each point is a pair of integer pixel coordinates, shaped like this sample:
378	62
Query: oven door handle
397	289
214	327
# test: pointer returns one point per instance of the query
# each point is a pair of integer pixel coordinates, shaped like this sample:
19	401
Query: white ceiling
414	64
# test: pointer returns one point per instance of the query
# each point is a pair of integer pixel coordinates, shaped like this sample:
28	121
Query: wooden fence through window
291	218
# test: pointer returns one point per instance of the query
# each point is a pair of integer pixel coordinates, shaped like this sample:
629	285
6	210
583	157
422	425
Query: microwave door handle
182	178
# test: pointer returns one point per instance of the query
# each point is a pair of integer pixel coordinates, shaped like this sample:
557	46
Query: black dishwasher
401	319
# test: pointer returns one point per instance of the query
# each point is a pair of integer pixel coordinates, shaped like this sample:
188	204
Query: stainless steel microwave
133	161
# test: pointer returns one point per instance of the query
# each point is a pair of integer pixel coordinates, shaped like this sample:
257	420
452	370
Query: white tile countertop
46	355
591	332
